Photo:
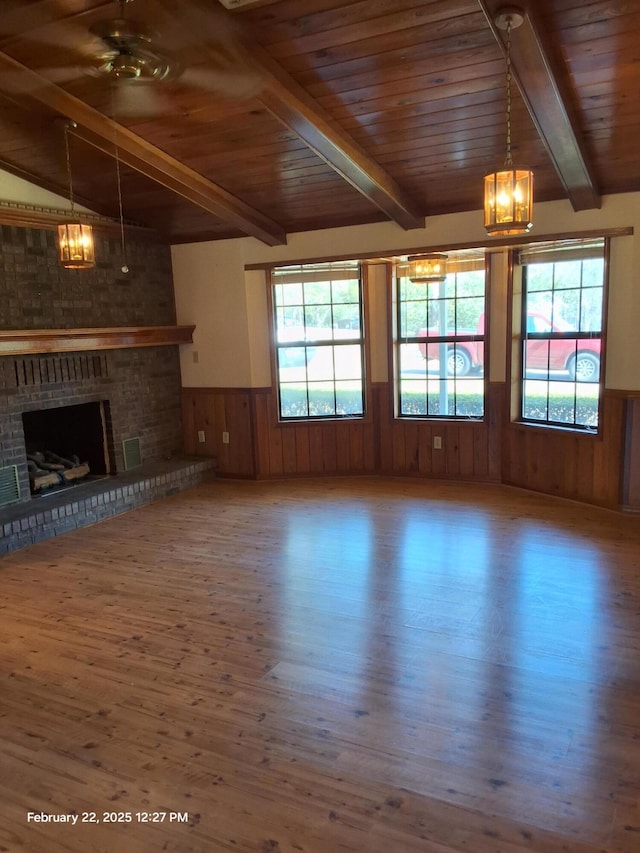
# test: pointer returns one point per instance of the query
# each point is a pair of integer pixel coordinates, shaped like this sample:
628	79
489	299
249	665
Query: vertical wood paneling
356	448
585	454
411	447
631	466
466	452
343	446
383	426
289	455
399	446
569	464
329	449
370	449
261	423
602	469
188	425
425	451
302	449
452	450
495	416
315	447
276	464
214	411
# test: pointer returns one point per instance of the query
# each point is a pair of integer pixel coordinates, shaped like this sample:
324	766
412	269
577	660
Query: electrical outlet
437	442
201	437
225	438
196	356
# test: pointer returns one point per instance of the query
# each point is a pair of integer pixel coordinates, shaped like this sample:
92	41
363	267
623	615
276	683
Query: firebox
66	444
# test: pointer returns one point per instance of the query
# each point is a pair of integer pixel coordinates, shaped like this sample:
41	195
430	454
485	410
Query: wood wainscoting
260	447
603	470
570	464
631	468
207	413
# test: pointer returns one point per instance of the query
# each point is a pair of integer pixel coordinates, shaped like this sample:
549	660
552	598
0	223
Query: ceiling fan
204	52
129	51
133	59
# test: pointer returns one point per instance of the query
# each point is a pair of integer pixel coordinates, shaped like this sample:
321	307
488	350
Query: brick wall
141	385
37	293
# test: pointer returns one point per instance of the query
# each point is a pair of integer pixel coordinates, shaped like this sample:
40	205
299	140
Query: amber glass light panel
508	202
76	245
427	267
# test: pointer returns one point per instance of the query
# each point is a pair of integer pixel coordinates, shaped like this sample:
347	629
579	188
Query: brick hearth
86	503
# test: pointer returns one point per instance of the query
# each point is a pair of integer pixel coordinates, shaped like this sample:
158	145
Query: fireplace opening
66	446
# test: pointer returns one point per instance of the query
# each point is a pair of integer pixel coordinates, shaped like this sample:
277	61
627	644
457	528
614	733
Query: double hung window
441	341
319	340
563	289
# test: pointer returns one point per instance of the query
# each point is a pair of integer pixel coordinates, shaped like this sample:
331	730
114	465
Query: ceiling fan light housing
126	67
129	53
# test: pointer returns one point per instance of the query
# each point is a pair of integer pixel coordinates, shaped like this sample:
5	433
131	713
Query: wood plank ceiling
282	116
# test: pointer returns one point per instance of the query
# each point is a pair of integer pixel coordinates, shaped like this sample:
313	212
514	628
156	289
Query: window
440	351
562	307
319	340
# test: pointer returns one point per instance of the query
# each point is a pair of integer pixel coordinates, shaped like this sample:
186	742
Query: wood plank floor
323	666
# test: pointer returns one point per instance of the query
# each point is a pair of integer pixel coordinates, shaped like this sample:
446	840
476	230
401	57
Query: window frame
445	340
274	346
518	362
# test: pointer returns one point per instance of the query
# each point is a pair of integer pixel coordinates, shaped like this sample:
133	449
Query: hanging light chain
68	157
125	266
508	161
122	240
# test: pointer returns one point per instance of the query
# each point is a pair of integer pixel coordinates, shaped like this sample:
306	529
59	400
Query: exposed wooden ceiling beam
296	109
542	85
292	106
143	156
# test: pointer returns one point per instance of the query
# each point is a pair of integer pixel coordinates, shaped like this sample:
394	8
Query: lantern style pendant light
427	268
508	194
75	239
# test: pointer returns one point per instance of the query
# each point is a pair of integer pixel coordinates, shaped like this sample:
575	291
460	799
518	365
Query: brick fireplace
77	433
132	387
138	388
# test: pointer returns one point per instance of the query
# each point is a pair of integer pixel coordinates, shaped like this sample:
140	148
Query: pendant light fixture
75	239
427	268
508	194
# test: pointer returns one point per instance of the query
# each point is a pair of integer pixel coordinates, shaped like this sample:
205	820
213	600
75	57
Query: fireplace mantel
26	342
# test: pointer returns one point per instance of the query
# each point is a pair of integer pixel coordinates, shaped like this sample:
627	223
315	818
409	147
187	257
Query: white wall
17	191
229	307
211	293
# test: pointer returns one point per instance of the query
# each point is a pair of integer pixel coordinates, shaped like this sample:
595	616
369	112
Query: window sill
586	432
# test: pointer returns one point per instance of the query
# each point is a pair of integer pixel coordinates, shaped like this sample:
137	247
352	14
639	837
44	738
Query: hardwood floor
326	665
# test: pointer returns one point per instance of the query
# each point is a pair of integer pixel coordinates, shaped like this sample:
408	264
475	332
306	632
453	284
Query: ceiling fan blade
216	48
238	82
190	24
16	82
66	35
136	99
